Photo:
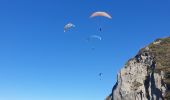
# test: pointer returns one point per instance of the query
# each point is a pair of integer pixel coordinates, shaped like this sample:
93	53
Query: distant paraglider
100	75
68	26
100	29
94	37
100	14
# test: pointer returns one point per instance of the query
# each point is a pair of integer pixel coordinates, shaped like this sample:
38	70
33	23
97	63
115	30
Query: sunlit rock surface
146	76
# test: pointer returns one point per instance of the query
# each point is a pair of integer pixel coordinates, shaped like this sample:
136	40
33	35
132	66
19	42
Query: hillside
146	76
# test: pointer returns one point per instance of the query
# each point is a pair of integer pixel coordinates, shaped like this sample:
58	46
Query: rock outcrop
146	76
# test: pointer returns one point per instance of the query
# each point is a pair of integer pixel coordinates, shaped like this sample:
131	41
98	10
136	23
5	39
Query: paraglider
101	14
68	26
100	29
100	75
94	38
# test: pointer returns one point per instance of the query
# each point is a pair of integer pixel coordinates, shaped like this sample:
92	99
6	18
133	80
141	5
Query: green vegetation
161	52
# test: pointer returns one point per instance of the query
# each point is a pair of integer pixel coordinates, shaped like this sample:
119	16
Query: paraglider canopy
94	37
100	13
68	26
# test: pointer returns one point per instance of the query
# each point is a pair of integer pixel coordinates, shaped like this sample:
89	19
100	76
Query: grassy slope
161	52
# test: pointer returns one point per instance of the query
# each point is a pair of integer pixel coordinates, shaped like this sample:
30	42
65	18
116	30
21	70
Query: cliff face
146	76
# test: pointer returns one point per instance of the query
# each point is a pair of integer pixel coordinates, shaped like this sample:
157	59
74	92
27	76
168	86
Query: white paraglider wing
96	37
68	26
100	13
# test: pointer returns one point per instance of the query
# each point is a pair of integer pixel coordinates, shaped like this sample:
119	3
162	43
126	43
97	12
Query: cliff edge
146	76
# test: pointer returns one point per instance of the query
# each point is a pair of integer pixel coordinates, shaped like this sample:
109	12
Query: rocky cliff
146	76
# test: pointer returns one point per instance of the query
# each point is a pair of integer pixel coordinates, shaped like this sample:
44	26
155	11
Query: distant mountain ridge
146	76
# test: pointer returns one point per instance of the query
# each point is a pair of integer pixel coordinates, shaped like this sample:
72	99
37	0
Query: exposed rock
146	76
157	42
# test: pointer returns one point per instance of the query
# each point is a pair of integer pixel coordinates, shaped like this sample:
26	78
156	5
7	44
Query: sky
38	61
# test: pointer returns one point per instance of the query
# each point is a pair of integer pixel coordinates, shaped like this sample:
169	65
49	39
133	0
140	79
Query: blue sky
38	61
